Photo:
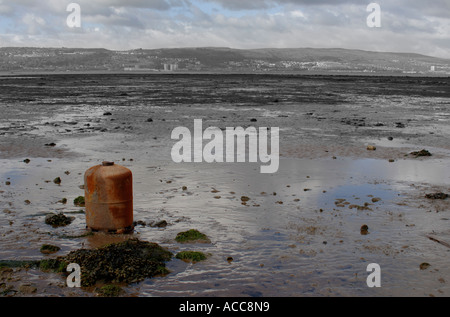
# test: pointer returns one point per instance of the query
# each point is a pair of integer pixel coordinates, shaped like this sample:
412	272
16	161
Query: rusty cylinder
108	190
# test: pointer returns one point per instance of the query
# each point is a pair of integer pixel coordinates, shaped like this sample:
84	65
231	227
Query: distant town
29	59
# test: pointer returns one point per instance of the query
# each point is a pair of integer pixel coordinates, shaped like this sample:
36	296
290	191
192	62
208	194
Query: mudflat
351	158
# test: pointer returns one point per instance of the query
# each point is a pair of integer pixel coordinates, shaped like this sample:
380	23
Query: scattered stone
149	120
63	201
364	229
58	220
376	199
107	114
400	125
79	201
390	138
160	224
424	265
184	188
371	148
50	144
127	262
253	120
140	223
230	259
57	180
27	289
437	196
109	290
7	183
49	249
27	202
27	161
245	198
421	153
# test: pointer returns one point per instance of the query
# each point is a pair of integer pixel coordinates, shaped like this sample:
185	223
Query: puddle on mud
299	234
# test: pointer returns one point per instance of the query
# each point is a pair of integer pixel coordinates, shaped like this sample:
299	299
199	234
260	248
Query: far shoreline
220	72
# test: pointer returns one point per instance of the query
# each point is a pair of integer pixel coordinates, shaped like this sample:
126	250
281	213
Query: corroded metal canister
108	190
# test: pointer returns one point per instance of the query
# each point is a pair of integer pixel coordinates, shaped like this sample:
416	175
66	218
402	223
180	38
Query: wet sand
298	235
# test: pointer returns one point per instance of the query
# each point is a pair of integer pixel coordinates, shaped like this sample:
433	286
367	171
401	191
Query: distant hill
15	59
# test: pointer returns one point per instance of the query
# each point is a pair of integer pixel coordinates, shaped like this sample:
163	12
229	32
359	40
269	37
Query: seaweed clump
58	220
437	196
191	235
79	201
130	261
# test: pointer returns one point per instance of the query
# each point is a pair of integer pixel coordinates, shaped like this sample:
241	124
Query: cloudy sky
406	25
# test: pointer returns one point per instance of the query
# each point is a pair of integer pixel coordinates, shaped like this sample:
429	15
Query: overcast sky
416	26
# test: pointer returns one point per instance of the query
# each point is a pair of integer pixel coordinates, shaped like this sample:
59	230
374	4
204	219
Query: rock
399	125
107	114
149	120
371	148
437	196
421	153
376	199
245	198
127	262
191	256
253	120
50	144
27	161
364	229
79	201
424	266
192	235
27	289
58	220
49	249
160	224
57	180
390	138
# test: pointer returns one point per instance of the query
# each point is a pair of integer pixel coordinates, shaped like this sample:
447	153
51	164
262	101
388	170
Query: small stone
27	289
424	266
371	148
57	180
421	153
364	229
245	198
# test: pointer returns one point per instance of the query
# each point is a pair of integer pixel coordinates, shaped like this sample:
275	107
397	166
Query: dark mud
296	233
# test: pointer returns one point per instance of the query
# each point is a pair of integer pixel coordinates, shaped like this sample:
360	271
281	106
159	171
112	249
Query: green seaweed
191	235
191	256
